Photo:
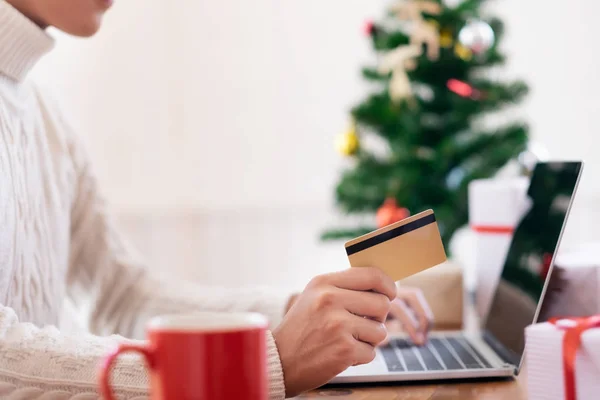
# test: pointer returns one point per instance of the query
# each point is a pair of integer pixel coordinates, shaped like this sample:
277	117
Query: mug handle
109	361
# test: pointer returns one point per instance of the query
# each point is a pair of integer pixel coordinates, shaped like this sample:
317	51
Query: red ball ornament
463	89
369	28
389	212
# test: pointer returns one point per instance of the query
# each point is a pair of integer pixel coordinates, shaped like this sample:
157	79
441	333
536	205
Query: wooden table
481	390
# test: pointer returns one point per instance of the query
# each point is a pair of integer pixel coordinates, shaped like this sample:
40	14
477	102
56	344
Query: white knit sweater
58	241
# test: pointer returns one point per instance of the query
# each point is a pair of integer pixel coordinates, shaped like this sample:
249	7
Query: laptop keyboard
437	355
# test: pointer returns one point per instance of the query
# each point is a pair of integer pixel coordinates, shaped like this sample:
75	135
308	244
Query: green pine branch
387	118
512	137
494	97
496	94
488	165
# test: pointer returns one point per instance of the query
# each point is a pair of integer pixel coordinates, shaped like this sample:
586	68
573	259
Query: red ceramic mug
204	356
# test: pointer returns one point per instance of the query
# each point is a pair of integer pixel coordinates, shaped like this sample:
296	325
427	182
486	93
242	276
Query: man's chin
83	30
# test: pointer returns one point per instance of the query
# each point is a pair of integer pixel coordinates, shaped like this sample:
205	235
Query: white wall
226	112
231	98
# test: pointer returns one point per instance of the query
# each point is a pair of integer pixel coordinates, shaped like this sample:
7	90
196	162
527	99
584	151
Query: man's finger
364	279
393	326
368	331
366	304
363	353
416	301
410	324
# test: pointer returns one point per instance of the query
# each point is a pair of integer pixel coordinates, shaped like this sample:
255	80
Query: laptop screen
535	241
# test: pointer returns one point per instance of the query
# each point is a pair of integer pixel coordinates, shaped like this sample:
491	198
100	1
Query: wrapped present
574	287
495	207
563	359
442	287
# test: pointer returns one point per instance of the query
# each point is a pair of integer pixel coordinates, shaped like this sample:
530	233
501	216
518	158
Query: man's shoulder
60	127
48	100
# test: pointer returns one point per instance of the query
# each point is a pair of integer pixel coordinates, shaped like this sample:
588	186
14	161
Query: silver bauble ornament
452	3
477	36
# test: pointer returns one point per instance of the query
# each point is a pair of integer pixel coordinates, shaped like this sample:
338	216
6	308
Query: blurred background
212	124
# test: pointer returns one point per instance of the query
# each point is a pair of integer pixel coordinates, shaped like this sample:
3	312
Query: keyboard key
445	354
401	343
410	359
466	357
391	359
429	359
467	345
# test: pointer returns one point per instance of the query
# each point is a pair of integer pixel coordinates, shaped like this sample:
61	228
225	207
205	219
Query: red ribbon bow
493	229
574	328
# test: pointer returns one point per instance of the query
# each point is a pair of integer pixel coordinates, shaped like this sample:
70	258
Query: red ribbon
492	229
574	328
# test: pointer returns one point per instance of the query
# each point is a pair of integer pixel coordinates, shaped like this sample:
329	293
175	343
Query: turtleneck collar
22	43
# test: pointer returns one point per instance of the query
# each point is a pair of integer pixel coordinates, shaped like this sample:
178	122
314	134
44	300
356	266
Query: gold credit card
401	249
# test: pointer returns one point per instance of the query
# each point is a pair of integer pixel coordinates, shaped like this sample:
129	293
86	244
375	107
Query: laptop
497	349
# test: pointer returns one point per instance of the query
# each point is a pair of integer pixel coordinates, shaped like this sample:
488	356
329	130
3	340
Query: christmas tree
431	92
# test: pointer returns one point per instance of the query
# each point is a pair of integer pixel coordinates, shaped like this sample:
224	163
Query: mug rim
207	322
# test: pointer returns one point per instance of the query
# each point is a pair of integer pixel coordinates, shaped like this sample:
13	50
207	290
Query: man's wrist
291	302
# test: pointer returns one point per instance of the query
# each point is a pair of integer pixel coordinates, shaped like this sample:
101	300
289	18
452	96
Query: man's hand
335	323
410	313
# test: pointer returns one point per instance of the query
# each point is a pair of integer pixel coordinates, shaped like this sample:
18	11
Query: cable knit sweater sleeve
125	295
120	296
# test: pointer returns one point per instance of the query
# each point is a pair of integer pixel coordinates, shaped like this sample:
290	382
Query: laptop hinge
506	355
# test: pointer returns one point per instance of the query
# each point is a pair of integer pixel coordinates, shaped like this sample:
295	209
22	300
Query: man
57	239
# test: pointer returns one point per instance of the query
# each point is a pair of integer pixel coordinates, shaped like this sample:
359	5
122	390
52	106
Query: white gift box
495	207
544	360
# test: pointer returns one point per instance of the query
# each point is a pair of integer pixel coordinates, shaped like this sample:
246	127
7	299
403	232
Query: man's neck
28	9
